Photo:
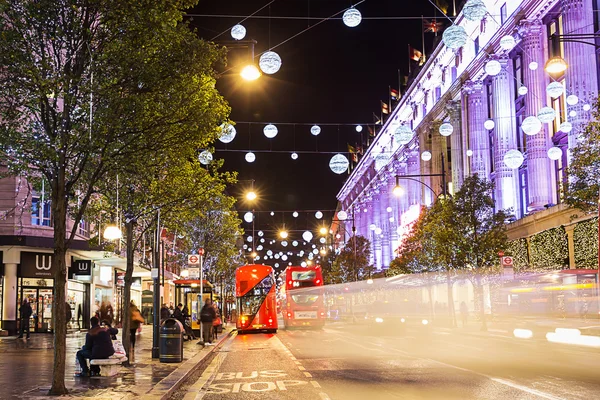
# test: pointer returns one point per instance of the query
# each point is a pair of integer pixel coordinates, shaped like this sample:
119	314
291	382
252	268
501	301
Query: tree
90	87
352	264
583	191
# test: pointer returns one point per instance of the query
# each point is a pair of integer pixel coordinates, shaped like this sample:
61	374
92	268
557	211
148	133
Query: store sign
81	267
34	265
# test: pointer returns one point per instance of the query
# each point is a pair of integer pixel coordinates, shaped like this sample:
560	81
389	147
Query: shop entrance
40	299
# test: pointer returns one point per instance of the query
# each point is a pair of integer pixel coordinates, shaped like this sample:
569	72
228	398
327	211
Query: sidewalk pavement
26	369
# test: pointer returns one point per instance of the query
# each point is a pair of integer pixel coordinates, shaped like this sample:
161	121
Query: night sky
330	74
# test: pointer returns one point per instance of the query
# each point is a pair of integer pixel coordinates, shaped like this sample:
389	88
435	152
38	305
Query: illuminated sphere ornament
531	125
533	65
566	127
272	214
295	214
269	62
284	243
322	240
259	247
507	42
249	238
403	134
426	156
358	128
554	153
295	243
522	90
546	115
474	10
513	159
469	153
555	89
270	131
372	227
489	124
572	113
587	107
342	215
378	231
250	157
238	32
269	252
294	156
339	164
260	233
205	157
307	236
572	100
446	129
389	209
352	17
248	217
493	67
315	130
318	215
227	133
455	37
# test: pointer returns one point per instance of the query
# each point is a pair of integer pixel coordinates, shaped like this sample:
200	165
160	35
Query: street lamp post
414	177
250	72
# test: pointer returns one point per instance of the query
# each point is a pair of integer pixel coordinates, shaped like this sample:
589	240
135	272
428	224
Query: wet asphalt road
349	362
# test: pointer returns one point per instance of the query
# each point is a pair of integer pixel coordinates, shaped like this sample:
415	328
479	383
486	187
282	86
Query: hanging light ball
318	215
372	227
262	240
260	233
555	89
426	156
284	243
455	37
389	209
358	128
587	107
489	124
566	127
250	157
522	90
205	157
295	214
307	236
339	164
294	156
272	214
238	32
507	43
403	134
469	153
249	238
295	243
533	65
474	10
248	217
572	100
513	159
227	133
391	219
572	113
342	215
259	247
315	130
269	62
446	129
546	115
493	67
554	153
531	125
352	17
322	240
270	131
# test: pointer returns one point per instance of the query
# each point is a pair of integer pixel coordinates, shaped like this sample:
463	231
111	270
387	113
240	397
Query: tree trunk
59	216
127	291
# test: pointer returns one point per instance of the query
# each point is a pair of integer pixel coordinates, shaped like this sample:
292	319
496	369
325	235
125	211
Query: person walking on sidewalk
136	321
25	311
98	345
207	316
164	313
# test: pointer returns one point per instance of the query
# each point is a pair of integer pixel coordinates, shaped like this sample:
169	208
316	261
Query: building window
453	74
84	228
561	140
476	44
518	72
503	14
438	93
40	212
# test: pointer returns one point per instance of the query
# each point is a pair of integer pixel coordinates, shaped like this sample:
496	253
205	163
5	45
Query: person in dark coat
207	316
164	313
25	311
68	313
98	345
186	324
178	314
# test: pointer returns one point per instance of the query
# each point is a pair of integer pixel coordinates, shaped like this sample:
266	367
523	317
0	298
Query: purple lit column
377	254
453	110
538	164
479	142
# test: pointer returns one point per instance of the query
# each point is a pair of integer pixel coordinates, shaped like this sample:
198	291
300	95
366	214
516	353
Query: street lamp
399	191
250	73
283	234
112	232
556	64
251	195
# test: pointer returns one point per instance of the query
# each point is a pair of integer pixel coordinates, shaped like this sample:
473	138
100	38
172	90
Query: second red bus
301	296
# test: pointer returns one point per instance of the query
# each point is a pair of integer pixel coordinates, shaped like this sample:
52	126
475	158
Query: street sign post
193	259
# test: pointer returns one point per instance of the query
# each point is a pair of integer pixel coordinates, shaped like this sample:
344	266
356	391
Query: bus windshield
251	301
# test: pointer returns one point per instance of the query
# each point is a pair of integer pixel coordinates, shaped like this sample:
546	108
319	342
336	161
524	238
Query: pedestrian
98	345
187	324
216	322
25	311
178	314
464	313
207	316
171	309
136	321
164	313
79	315
97	309
68	313
110	315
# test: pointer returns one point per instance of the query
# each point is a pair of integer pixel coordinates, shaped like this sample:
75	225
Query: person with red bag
216	322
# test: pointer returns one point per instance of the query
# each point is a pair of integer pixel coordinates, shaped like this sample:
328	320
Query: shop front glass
77	296
103	304
1	295
39	293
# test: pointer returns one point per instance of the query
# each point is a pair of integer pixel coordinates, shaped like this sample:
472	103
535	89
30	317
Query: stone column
385	223
539	171
11	258
571	245
479	142
438	147
377	254
426	135
505	137
581	76
453	109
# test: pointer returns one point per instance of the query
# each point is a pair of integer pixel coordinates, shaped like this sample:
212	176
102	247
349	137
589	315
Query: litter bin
171	341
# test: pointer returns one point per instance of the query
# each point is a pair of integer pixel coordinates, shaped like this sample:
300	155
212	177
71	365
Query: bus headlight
379	320
424	322
402	320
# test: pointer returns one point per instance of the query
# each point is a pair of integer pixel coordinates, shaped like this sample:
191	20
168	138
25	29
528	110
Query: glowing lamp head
112	233
398	190
251	195
283	234
250	73
323	230
556	65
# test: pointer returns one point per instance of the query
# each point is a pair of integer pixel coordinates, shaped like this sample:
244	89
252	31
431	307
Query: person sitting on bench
98	345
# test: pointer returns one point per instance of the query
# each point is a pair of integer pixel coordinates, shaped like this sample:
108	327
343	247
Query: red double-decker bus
256	302
301	296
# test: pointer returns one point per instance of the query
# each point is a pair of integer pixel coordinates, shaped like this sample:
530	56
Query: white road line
293	358
308	375
297	362
315	384
324	396
301	368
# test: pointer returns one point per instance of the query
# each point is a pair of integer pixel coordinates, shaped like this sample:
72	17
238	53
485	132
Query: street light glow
283	234
556	65
112	233
323	230
398	191
251	195
250	73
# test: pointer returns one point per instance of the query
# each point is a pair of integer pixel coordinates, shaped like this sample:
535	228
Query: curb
167	386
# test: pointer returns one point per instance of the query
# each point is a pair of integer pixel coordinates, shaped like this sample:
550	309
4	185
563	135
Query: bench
110	366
